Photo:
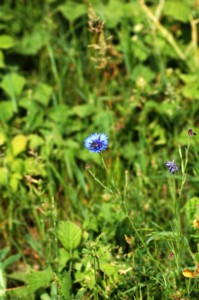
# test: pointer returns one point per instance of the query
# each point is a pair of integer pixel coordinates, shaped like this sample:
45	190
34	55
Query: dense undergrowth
112	225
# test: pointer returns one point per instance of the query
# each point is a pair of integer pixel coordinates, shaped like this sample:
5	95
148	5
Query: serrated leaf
21	276
6	42
66	284
69	235
39	279
20	293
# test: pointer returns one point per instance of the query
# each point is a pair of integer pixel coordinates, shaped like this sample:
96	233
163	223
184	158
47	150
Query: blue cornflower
96	142
172	166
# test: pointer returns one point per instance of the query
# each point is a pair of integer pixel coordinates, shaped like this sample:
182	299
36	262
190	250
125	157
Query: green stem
100	183
103	163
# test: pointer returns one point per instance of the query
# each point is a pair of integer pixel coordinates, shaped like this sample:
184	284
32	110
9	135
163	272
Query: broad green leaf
39	279
7	110
64	257
42	93
20	293
13	84
108	268
21	276
191	90
142	71
69	235
71	11
82	110
33	42
18	144
6	42
178	10
66	284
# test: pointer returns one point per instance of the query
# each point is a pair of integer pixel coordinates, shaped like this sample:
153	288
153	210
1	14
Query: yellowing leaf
18	144
191	274
188	273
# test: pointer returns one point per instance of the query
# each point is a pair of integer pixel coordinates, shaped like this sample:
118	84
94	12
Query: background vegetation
128	69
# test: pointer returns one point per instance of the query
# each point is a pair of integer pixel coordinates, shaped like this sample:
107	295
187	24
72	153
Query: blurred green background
70	68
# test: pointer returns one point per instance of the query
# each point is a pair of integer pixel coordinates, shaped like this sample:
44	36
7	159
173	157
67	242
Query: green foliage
69	235
125	68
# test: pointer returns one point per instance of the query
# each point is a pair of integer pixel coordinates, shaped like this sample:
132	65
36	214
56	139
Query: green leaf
191	208
197	257
18	144
10	260
3	253
13	84
7	110
69	235
108	268
2	63
178	10
3	176
6	42
45	296
71	11
42	93
33	42
39	279
165	235
20	293
66	284
35	141
64	257
21	276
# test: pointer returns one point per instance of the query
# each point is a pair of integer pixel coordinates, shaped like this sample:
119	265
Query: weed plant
99	147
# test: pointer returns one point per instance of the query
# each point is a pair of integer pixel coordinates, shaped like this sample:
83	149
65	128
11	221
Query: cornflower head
172	166
96	142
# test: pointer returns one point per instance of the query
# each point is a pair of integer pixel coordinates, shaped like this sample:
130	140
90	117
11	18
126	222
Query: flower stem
98	181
